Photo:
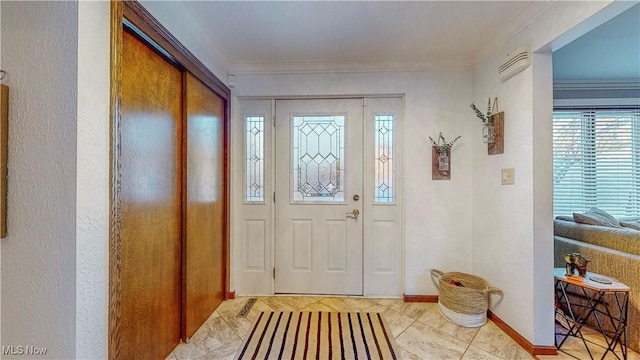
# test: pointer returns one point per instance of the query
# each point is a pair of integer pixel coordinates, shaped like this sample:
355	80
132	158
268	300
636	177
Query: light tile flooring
419	330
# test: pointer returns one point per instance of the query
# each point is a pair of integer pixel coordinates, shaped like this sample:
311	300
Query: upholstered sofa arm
622	239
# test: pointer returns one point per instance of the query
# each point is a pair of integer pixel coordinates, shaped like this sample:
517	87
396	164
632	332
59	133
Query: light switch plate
508	176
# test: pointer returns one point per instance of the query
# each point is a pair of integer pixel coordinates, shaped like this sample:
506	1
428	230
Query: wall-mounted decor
497	146
493	127
441	158
3	158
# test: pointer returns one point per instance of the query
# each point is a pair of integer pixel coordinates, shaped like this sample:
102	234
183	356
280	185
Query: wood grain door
150	203
204	264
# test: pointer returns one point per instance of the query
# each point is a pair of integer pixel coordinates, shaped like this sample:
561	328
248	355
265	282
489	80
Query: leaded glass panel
383	192
254	158
318	158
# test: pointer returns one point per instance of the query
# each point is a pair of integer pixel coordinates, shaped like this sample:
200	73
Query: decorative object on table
600	280
575	261
493	126
463	298
441	158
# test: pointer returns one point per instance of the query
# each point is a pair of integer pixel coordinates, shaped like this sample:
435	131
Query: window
318	158
383	159
596	160
254	159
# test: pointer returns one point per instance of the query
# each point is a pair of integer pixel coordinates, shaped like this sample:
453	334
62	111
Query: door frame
150	31
237	174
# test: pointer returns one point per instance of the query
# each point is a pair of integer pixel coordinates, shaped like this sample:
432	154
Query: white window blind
596	161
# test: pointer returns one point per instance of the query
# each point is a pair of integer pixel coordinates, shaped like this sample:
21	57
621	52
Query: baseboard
529	347
420	298
230	295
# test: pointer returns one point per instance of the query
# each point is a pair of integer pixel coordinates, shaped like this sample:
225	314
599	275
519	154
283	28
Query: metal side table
599	294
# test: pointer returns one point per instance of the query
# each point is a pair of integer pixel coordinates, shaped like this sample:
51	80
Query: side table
613	295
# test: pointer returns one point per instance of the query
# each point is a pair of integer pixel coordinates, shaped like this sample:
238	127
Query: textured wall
92	208
512	225
39	51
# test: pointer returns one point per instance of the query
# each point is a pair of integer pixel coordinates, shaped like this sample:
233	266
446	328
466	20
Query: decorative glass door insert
383	178
254	159
318	158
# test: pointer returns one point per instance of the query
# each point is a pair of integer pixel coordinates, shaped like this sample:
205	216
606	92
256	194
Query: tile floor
419	330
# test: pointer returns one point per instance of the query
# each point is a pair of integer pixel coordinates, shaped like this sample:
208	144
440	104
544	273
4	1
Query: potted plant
442	148
488	132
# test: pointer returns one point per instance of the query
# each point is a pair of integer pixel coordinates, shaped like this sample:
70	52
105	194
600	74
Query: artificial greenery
486	119
446	146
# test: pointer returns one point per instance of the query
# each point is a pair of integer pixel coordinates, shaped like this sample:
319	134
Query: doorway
321	209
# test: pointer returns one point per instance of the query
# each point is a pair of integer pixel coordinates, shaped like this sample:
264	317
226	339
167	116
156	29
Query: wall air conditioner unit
513	63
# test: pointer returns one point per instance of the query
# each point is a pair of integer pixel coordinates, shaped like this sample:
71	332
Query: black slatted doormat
246	308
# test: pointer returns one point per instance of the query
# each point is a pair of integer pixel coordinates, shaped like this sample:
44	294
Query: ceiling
608	52
266	34
302	36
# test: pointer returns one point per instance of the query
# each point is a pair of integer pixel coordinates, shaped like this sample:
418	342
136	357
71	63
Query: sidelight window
254	158
383	178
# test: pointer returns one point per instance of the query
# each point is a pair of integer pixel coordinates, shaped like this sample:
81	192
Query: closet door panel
205	226
150	200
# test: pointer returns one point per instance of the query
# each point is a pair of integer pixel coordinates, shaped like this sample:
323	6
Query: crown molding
349	66
514	26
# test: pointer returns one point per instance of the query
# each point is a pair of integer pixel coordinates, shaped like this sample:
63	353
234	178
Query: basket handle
492	289
436	273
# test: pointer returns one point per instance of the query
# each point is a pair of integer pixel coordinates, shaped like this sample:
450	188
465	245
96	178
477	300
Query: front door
319	183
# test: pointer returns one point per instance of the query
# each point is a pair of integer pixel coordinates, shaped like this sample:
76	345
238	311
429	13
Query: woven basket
463	305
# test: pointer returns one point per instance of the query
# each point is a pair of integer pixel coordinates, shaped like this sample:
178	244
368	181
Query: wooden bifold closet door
172	200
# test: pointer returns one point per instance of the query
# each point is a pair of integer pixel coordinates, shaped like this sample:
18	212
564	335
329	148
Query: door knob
354	213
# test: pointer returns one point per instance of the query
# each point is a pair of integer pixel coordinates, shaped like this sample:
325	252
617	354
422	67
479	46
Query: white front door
318	196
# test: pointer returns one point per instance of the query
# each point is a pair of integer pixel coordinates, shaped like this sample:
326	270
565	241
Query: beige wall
92	190
39	52
512	225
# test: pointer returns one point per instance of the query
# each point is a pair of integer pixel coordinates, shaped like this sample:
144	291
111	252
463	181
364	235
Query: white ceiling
262	35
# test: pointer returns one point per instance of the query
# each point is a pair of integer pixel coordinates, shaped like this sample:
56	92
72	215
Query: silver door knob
354	213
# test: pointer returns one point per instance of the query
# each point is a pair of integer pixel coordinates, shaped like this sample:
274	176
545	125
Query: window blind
596	160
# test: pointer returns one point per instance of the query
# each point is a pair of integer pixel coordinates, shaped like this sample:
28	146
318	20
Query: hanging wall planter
488	134
441	158
493	127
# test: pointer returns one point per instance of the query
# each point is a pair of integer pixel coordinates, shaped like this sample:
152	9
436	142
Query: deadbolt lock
356	197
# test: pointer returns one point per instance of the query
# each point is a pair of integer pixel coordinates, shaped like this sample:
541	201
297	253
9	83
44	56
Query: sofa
613	251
